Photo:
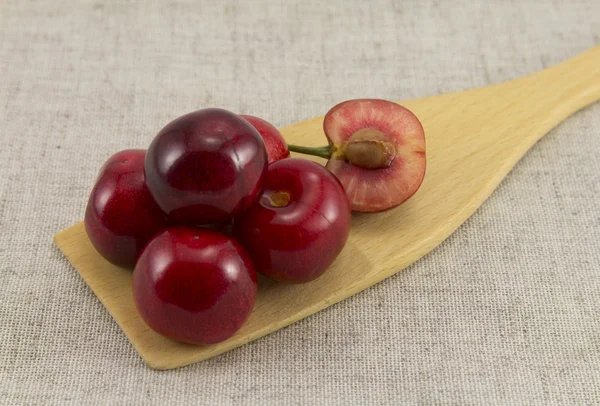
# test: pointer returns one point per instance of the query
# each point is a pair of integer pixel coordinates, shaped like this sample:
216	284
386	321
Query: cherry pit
216	199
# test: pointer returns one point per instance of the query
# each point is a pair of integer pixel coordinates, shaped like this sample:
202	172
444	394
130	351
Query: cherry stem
323	152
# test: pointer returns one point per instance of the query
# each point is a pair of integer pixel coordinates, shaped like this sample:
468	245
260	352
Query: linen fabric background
506	311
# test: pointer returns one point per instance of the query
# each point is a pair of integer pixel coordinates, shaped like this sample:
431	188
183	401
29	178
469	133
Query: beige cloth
506	311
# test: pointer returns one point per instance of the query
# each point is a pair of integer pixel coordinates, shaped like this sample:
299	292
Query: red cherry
121	215
194	285
276	146
205	167
299	224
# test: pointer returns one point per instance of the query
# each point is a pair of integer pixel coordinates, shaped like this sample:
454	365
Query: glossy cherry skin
121	215
194	285
205	167
276	146
295	241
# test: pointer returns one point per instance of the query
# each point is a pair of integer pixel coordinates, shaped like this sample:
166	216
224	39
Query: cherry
121	215
276	146
298	225
205	167
376	149
194	285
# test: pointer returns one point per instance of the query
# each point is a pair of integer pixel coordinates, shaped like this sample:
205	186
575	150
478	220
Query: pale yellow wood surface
474	138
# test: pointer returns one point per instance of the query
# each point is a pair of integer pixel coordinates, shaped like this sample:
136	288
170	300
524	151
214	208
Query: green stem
323	152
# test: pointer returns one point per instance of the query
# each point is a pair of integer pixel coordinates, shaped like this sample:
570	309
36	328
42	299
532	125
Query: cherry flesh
121	215
376	149
194	285
205	167
298	225
276	146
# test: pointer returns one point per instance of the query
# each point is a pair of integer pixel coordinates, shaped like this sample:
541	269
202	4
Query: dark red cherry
299	224
121	215
276	147
194	285
205	167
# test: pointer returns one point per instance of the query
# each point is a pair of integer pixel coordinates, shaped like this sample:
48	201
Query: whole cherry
194	285
121	215
205	167
276	146
298	225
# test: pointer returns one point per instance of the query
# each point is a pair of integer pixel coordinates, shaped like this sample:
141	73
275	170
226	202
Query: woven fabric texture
506	311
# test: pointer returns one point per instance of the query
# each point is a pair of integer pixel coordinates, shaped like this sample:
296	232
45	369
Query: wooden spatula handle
566	87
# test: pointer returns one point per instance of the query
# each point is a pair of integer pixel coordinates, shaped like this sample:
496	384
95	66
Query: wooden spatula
474	138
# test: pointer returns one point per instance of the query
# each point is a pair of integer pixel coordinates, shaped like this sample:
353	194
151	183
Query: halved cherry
377	151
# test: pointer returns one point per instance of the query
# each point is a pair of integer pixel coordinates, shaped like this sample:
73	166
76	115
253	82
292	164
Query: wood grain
474	138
